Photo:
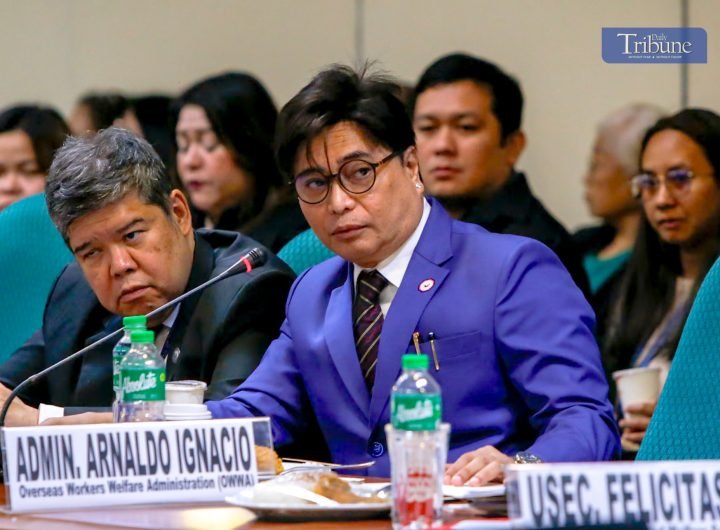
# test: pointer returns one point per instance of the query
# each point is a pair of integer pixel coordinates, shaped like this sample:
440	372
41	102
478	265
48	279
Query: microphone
253	259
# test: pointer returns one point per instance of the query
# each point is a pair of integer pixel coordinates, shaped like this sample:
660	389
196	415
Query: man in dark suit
511	333
135	250
467	117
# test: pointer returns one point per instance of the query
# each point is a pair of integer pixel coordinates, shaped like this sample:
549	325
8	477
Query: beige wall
53	50
704	79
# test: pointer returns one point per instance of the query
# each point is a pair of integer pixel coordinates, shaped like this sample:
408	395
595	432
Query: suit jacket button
376	449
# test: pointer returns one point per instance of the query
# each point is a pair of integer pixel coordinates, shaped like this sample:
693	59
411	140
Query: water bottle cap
137	322
413	361
142	337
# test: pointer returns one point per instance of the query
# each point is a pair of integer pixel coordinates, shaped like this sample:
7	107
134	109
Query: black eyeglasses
677	181
355	176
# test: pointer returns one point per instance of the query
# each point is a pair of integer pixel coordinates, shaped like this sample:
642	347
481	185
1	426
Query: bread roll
267	460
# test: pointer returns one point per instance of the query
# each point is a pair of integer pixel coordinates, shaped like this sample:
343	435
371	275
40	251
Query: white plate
456	492
474	492
290	465
307	512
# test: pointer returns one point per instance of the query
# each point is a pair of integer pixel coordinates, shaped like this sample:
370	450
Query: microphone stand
246	263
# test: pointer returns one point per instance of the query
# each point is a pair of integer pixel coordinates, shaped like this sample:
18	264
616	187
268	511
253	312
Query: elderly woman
29	136
615	159
224	127
678	240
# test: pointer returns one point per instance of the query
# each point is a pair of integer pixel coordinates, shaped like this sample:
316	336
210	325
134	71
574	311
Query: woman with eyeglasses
678	241
224	127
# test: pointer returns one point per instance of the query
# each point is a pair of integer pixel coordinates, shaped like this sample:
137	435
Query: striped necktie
368	321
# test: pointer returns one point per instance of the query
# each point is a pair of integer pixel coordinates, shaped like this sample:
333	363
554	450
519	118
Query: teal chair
32	254
303	251
686	422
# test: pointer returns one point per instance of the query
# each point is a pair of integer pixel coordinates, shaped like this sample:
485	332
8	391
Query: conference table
102	518
160	517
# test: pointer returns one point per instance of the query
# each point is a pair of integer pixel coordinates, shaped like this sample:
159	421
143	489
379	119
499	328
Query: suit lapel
425	267
179	343
340	342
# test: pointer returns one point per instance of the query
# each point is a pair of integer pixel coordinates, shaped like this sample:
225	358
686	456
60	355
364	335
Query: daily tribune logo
654	45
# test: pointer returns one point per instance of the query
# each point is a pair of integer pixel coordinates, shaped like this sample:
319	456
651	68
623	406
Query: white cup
185	392
637	385
186	411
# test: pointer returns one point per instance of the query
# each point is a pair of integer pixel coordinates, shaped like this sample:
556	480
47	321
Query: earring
418	185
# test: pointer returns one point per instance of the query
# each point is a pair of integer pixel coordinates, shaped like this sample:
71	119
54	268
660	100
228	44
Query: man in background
467	117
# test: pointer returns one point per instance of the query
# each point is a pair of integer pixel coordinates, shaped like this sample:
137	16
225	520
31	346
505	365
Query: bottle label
416	412
143	384
118	355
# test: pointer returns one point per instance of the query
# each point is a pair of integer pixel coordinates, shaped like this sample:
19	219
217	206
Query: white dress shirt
394	266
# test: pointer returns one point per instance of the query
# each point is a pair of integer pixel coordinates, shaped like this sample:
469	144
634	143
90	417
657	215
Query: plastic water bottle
142	374
137	323
418	446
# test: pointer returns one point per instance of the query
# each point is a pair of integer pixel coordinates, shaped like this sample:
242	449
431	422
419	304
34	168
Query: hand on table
81	419
477	468
19	414
633	429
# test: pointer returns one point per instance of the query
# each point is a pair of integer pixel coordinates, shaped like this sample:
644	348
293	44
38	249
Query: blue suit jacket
519	367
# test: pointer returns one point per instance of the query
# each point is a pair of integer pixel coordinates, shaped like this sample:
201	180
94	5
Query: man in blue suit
519	369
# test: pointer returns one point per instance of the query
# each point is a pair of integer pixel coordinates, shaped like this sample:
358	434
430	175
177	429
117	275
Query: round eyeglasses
677	181
355	176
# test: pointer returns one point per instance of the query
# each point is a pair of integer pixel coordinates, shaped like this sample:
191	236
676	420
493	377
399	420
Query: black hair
701	125
242	115
104	108
340	94
507	97
152	113
45	127
647	291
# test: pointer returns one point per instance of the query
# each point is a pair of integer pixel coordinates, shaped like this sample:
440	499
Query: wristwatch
523	457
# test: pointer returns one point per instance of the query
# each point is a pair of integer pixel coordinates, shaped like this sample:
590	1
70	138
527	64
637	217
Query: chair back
32	254
685	424
303	251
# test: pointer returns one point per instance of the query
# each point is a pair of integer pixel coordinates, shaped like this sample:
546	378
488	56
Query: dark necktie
162	334
368	321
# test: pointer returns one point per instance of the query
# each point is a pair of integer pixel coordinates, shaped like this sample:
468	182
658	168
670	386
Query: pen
416	342
431	336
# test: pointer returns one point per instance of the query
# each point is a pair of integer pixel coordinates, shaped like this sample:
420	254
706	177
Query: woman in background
29	136
606	248
678	241
224	127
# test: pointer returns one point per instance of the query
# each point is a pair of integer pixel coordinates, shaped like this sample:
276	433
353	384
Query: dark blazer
219	335
591	240
274	227
519	367
513	209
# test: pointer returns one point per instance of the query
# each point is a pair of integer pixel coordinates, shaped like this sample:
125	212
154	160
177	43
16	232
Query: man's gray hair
90	173
623	130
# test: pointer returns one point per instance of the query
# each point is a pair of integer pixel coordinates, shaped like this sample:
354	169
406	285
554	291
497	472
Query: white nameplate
127	463
665	495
